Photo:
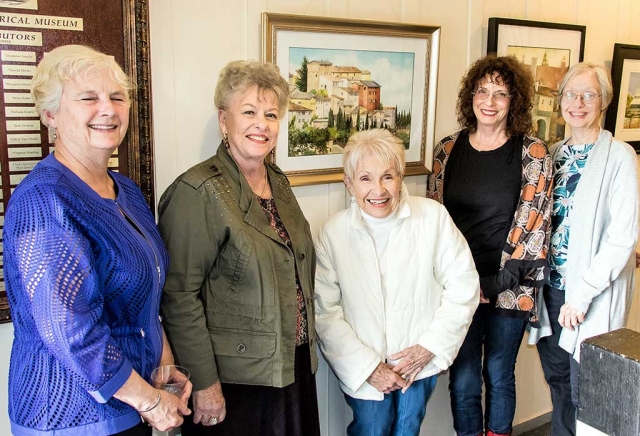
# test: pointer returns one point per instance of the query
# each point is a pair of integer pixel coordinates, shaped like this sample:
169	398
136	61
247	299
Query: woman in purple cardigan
84	267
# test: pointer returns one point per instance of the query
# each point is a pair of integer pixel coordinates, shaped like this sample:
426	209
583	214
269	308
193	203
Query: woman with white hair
84	267
594	233
396	289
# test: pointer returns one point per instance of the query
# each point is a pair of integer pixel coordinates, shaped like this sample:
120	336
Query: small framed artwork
346	76
623	114
550	49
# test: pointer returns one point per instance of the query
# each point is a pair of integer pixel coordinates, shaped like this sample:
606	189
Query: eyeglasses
587	97
482	94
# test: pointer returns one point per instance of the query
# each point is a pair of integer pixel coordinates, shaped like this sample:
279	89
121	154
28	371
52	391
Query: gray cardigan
604	232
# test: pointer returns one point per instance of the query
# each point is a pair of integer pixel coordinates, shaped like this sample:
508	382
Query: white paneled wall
192	39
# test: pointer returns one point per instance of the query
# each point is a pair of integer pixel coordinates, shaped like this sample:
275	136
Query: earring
53	134
225	139
353	199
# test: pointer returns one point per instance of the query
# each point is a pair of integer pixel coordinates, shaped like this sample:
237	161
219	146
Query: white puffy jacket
432	292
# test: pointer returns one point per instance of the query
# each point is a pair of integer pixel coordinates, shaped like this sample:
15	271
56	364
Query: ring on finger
213	420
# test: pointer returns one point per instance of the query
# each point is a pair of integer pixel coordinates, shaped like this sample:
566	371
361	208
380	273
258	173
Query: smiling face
93	114
492	112
581	116
376	186
251	122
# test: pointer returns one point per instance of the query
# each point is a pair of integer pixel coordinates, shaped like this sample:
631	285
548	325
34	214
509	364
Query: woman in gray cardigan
594	233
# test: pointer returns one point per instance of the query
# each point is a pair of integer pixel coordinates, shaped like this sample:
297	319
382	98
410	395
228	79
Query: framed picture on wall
346	76
623	114
550	49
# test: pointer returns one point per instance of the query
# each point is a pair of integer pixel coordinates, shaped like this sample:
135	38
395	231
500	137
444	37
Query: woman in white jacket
396	288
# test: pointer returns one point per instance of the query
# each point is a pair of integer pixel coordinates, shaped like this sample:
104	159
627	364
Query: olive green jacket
229	302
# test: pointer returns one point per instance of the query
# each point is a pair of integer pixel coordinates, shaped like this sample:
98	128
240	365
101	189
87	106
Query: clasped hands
387	378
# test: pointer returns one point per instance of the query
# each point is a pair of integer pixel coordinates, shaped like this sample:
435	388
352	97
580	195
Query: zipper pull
142	333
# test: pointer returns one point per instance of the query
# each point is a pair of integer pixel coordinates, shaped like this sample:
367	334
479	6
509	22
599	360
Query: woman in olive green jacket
238	298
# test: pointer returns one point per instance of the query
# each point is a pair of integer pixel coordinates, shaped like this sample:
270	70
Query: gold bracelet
152	407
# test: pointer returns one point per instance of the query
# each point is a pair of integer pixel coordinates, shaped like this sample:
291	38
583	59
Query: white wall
192	39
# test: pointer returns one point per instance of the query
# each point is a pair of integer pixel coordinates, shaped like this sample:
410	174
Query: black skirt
265	410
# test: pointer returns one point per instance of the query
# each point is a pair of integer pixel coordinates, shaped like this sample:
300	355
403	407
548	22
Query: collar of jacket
404	210
247	200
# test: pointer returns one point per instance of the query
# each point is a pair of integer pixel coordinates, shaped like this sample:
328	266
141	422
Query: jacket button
241	348
302	256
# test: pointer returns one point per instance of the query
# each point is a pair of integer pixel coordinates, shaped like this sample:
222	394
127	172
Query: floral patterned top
524	263
269	208
567	167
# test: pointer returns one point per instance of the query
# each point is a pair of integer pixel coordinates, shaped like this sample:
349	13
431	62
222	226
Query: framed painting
623	114
549	49
31	28
346	76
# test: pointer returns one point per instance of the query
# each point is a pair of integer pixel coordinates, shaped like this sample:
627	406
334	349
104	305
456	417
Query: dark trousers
488	353
560	370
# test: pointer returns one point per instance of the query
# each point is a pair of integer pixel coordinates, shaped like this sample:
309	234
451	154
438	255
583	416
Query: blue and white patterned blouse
568	165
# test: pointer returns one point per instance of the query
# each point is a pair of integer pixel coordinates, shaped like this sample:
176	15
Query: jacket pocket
239	252
243	343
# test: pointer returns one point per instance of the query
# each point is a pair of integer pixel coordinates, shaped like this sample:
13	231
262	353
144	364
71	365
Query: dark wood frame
139	163
137	65
621	52
539	35
495	22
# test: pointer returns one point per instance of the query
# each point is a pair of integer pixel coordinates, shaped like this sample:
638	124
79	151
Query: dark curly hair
515	76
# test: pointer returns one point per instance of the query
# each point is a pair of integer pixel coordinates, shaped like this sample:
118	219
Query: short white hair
65	63
379	143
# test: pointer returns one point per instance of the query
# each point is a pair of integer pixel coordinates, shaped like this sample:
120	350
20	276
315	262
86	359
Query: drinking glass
170	378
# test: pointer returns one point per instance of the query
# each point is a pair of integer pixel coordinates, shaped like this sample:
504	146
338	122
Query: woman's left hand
412	360
570	317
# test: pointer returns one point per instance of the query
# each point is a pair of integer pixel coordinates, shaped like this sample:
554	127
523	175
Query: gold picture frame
389	63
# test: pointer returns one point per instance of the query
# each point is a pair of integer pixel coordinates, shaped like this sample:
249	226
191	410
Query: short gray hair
64	63
603	76
380	143
238	76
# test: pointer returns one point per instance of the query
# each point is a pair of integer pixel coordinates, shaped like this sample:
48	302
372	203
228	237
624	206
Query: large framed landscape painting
346	76
549	49
623	114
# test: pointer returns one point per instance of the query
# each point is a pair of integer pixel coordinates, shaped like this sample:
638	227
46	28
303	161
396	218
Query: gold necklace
266	182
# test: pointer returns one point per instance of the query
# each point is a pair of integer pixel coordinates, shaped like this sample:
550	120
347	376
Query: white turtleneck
379	230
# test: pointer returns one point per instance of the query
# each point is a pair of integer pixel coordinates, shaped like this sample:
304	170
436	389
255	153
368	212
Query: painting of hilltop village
335	93
548	66
632	109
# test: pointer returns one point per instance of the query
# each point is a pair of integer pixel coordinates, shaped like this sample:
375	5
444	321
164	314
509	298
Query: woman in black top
496	188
